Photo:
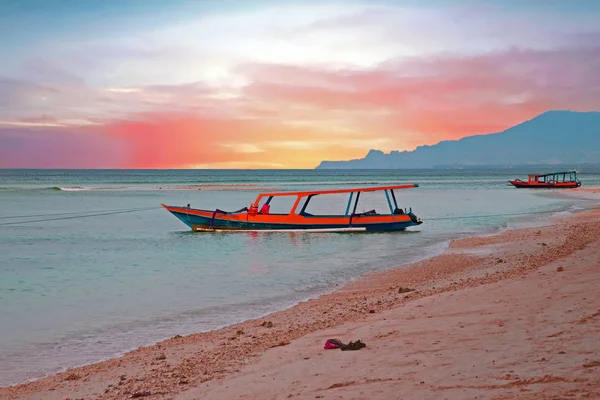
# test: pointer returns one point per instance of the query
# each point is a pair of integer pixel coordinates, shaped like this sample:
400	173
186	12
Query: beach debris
338	344
177	337
342	384
405	290
239	332
140	394
282	343
161	357
267	324
72	377
123	377
592	364
371	311
560	269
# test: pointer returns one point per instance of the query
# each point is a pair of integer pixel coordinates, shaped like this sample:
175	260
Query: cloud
296	116
47	147
430	99
247	148
175	140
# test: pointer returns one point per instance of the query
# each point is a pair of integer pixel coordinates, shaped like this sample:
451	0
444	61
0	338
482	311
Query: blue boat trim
204	223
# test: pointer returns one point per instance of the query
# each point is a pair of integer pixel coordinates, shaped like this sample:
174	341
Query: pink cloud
444	97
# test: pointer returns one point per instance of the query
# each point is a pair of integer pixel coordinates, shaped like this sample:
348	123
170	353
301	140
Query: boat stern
416	220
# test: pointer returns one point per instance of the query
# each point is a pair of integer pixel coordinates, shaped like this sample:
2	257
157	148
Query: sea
91	266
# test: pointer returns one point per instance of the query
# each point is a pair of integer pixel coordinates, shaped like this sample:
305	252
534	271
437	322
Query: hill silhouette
551	138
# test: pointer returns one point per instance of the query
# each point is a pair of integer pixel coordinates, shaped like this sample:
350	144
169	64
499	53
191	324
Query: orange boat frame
252	219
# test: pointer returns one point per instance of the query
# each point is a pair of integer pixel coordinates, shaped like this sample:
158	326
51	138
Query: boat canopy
335	191
556	173
555	177
388	190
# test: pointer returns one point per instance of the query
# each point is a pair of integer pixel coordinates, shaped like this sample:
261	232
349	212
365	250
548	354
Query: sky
279	84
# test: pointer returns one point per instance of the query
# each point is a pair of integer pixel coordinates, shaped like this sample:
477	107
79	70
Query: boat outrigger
253	219
553	180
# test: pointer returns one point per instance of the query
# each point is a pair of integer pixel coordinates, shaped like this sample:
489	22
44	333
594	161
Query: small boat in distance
553	180
252	219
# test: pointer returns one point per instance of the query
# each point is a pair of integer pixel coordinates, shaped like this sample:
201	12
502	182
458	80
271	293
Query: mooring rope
60	214
507	214
84	214
97	214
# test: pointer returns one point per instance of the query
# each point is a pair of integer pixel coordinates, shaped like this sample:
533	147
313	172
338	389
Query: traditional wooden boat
553	180
253	219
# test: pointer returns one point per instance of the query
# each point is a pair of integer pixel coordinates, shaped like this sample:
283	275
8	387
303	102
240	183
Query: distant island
554	138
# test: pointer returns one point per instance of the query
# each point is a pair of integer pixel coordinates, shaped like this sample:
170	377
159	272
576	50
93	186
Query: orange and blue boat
298	219
553	180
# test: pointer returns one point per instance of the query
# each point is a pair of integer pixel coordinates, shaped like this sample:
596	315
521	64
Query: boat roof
334	191
556	173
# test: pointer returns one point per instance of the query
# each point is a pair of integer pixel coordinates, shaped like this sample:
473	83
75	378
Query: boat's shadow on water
190	234
284	242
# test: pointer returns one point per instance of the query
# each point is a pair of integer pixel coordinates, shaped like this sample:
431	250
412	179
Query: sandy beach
510	315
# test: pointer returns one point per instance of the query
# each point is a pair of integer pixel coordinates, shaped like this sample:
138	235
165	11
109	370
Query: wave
71	189
60	188
51	188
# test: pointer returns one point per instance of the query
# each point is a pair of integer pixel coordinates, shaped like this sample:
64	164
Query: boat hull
205	220
544	185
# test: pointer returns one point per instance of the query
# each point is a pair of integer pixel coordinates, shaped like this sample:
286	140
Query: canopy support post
356	203
394	198
349	203
387	196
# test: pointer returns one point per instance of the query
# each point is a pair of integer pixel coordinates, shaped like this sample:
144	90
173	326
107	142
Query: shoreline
435	250
432	250
177	364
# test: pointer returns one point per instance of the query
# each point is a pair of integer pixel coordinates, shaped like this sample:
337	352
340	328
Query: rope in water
83	214
65	213
506	215
96	214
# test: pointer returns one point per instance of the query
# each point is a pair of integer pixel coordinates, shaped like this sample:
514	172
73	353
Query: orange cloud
183	140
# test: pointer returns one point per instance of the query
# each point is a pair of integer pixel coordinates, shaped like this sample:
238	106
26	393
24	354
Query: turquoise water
79	290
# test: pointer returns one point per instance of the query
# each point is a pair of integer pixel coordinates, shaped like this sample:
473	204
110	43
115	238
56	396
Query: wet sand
516	314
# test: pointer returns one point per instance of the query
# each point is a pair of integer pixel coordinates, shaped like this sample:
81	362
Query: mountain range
552	138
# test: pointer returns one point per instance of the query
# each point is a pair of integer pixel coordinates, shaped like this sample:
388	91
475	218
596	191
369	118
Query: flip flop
353	346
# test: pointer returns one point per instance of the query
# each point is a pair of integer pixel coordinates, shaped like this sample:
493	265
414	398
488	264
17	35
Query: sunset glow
265	84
